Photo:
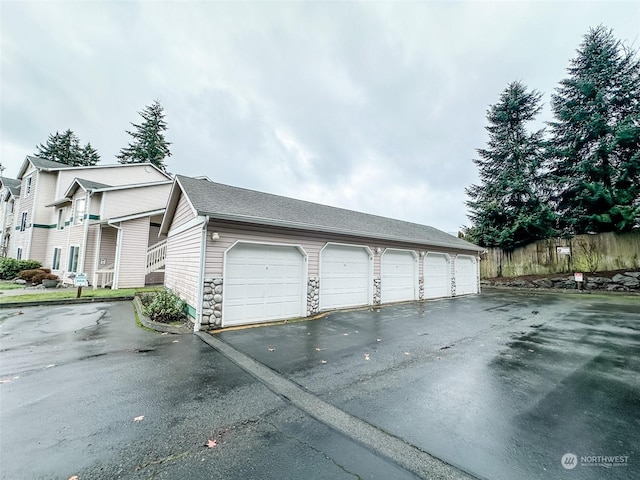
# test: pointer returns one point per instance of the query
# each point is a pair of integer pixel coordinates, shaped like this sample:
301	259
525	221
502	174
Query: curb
157	326
65	301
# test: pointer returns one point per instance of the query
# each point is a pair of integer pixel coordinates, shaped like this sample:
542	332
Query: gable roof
12	185
40	164
51	166
225	202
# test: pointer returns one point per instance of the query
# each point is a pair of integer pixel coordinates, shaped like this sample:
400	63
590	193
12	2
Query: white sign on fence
81	280
563	250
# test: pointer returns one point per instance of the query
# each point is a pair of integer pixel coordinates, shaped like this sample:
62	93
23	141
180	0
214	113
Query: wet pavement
501	385
75	378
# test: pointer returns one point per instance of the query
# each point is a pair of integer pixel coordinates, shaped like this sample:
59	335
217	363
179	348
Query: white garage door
466	275
345	277
437	275
398	276
263	282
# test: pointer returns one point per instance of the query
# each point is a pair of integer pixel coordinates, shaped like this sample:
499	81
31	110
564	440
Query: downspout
4	224
203	257
116	265
96	258
85	234
34	206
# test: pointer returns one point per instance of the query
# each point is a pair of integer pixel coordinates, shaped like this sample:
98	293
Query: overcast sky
376	107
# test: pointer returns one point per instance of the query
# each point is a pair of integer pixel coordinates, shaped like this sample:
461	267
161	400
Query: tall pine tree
65	148
596	138
508	208
149	144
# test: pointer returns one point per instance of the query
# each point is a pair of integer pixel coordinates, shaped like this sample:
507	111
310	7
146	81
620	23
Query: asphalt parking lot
500	386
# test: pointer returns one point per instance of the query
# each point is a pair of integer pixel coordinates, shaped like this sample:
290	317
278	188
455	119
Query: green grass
10	286
67	293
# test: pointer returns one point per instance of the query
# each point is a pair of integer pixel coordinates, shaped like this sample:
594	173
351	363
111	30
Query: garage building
239	256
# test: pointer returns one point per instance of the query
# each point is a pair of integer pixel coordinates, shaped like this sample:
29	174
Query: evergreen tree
596	138
89	155
65	148
507	208
149	144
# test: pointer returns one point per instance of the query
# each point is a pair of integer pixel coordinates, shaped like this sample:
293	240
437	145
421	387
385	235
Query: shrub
29	275
165	307
39	277
10	267
146	298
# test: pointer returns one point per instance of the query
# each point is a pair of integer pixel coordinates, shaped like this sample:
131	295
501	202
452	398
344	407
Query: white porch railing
156	256
104	277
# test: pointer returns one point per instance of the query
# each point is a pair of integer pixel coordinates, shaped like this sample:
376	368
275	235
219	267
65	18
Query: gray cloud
371	106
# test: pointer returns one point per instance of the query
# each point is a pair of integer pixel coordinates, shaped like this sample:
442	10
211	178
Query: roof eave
338	231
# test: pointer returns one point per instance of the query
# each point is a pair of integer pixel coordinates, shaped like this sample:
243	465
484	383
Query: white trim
340	231
370	273
173	205
135	216
475	262
59	258
305	272
185	226
416	270
116	262
201	273
34	207
450	272
96	257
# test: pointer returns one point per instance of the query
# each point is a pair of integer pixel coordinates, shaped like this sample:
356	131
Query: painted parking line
406	455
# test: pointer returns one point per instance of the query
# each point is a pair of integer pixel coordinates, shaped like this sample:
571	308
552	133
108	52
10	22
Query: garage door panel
466	275
437	276
345	276
398	276
263	282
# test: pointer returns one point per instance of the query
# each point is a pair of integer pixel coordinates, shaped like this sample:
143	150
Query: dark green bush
10	267
165	307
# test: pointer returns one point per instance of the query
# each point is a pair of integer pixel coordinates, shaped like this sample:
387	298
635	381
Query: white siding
183	213
183	265
120	203
114	176
133	253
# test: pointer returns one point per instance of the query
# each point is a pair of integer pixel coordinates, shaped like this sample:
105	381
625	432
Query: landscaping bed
616	280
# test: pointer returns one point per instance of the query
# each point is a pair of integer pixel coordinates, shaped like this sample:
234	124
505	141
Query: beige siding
89	259
310	242
108	247
133	253
183	213
44	215
120	203
183	264
114	176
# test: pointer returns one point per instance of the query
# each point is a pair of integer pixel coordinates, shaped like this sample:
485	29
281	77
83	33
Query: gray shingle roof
239	204
91	185
12	185
44	163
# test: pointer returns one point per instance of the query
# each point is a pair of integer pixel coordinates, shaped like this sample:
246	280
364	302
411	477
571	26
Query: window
73	258
57	252
27	188
61	218
11	206
23	222
78	214
19	253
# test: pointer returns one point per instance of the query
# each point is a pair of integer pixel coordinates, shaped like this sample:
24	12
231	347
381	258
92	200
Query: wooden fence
582	253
